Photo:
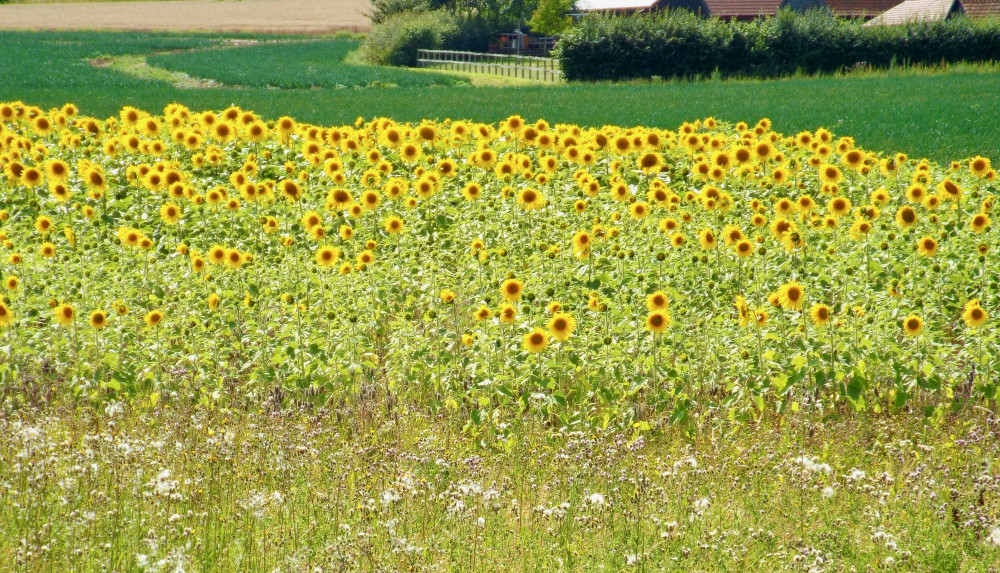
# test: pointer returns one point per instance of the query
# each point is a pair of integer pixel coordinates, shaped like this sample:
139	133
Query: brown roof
976	8
742	8
859	8
916	11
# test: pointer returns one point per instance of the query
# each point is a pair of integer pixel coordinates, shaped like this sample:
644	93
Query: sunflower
213	301
235	259
370	200
830	174
980	221
327	256
11	283
339	199
98	319
393	225
979	166
483	313
64	314
791	296
707	239
913	325
410	153
744	248
535	341
581	244
217	255
658	321
365	258
677	240
927	246
153	317
639	210
974	316
657	301
742	310
47	250
511	290
650	163
820	314
170	213
906	217
561	326
43	225
507	313
57	170
311	219
530	198
949	190
472	191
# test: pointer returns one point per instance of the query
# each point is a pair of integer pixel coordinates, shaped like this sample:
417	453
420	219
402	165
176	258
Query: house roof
975	8
916	11
602	5
859	8
742	8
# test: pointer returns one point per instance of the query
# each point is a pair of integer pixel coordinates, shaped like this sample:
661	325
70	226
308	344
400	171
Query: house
866	9
981	8
917	11
751	9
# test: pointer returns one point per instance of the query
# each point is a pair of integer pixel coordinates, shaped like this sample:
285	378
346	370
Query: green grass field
939	115
295	65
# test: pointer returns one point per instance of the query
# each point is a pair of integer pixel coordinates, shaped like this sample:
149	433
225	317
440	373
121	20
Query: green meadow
943	115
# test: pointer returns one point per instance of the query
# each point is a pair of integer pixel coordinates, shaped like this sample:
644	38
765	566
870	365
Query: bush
395	41
681	44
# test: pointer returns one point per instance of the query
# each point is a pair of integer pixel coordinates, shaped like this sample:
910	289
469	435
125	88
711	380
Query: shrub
681	44
396	40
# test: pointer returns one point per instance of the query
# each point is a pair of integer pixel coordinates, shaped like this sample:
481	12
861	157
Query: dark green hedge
682	44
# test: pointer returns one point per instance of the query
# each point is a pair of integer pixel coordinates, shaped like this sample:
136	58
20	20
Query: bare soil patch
262	16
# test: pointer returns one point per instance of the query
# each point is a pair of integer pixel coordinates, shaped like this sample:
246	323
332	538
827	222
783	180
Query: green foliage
550	17
293	65
382	10
395	41
680	44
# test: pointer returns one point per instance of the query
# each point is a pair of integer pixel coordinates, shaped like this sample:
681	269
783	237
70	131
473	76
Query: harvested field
277	16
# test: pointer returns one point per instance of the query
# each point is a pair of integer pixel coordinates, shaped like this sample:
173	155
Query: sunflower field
586	276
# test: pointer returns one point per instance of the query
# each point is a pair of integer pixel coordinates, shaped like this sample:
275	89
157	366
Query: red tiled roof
976	8
858	8
742	8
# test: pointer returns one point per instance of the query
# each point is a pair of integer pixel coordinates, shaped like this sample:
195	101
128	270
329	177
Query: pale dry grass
260	16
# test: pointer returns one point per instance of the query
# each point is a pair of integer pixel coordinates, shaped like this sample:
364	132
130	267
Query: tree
550	17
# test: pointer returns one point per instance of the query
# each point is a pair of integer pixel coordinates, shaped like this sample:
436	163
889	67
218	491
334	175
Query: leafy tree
550	17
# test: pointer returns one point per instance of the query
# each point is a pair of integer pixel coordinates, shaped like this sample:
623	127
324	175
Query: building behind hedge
752	9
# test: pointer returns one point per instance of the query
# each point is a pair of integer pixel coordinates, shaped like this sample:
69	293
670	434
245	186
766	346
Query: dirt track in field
265	16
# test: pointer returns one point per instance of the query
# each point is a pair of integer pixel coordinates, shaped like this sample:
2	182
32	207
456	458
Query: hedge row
682	44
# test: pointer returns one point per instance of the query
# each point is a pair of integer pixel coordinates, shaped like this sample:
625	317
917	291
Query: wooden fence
527	67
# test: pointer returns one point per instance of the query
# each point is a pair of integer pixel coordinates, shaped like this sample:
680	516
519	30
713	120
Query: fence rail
510	65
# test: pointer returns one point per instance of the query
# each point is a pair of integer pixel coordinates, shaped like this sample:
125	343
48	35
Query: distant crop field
899	111
284	16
